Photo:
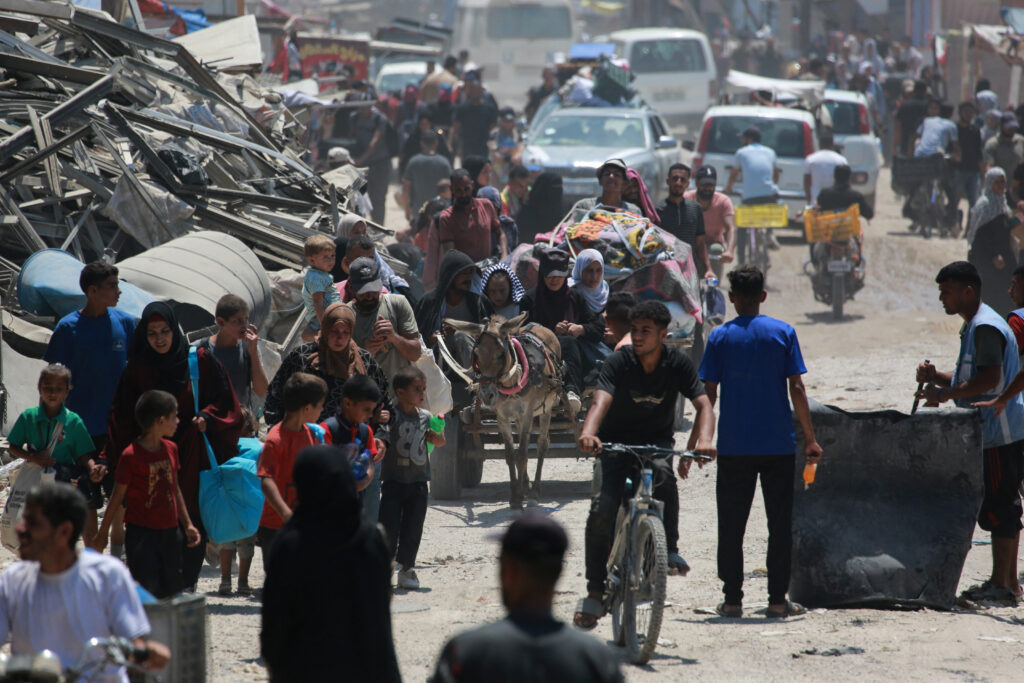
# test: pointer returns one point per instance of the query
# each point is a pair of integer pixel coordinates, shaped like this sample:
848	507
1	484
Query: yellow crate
762	216
823	226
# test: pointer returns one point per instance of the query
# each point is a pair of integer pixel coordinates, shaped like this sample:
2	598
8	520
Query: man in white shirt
820	168
58	599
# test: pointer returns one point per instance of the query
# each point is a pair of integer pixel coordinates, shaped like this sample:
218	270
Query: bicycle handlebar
647	451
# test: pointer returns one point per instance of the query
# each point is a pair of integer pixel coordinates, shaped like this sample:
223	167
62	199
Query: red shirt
1017	325
152	480
277	462
471	230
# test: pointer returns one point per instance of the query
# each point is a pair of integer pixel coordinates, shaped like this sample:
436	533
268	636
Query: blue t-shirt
96	351
936	134
751	359
318	281
757	164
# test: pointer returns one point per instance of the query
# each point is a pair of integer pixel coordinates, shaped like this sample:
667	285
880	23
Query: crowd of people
140	408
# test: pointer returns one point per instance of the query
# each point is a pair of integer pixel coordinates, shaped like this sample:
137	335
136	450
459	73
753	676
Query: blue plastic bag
230	495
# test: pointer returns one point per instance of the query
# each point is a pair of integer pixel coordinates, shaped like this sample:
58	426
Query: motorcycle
836	267
46	667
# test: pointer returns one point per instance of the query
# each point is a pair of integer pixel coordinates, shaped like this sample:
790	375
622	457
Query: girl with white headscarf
989	234
588	279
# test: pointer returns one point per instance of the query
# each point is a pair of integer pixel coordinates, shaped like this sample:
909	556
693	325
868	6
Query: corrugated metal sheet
195	271
957	12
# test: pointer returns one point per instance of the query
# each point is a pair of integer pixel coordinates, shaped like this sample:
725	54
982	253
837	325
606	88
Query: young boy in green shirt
31	434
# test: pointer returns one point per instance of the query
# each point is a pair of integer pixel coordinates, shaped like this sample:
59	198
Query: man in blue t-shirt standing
750	360
93	344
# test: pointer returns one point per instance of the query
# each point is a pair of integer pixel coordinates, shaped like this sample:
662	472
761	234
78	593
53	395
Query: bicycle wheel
742	245
645	589
617	587
761	254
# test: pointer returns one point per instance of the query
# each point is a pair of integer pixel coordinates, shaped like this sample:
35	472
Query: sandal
729	611
225	586
677	566
588	611
790	609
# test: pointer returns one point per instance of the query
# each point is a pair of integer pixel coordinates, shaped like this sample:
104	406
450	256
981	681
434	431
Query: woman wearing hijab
636	193
326	598
588	283
479	170
353	226
543	208
158	359
990	240
564	312
334	357
503	293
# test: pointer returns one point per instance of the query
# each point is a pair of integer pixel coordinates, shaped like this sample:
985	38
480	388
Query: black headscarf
428	313
551	308
327	590
474	165
542	209
171	367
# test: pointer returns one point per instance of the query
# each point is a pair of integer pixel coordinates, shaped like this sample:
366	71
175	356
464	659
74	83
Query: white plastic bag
29	475
439	389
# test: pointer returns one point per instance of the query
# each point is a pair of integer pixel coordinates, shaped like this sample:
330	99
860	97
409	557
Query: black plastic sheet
890	516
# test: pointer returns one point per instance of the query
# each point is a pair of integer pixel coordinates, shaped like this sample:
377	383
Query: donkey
519	377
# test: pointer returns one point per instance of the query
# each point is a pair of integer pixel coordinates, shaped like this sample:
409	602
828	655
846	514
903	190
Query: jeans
604	507
370	497
966	184
734	493
403	508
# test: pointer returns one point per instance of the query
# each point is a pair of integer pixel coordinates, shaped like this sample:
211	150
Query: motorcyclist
937	135
840	197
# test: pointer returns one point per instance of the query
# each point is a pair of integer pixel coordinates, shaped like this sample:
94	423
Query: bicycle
638	563
752	224
45	666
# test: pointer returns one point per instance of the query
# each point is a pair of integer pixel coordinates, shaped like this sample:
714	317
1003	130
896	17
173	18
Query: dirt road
864	362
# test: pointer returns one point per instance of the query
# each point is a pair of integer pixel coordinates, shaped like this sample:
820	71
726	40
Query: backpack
332	424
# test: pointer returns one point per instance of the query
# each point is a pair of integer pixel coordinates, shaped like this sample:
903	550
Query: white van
675	71
512	40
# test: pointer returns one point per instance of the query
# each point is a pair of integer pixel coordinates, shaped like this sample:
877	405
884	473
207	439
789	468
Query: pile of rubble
113	141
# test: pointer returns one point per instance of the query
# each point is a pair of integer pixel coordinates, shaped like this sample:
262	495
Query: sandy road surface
864	362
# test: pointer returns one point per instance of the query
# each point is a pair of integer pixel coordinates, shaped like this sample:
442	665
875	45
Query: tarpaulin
890	516
813	92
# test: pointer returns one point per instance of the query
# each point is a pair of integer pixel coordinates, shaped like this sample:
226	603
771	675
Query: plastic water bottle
360	459
648	479
809	471
436	426
711	281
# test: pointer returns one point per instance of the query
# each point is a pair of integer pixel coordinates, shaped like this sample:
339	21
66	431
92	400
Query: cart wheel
471	471
445	483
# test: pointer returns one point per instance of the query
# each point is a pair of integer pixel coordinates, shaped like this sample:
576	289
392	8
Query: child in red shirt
302	398
146	482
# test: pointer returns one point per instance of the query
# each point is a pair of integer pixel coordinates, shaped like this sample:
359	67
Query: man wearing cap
385	324
1005	150
506	143
529	644
719	217
422	173
760	173
474	120
683	217
470	223
612	177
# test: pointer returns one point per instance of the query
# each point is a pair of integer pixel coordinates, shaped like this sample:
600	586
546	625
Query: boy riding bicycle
635	403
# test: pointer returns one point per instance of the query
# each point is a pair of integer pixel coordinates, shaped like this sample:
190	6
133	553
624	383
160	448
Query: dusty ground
863	362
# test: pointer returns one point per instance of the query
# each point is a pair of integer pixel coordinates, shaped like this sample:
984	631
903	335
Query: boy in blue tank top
988	360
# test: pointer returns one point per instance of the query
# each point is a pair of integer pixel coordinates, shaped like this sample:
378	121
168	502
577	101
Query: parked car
792	133
855	137
674	71
574	141
394	76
